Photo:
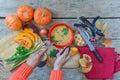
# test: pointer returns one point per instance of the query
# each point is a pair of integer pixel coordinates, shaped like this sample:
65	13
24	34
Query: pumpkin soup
61	35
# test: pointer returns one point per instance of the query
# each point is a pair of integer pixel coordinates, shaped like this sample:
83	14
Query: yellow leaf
82	62
86	59
98	24
104	27
106	33
87	69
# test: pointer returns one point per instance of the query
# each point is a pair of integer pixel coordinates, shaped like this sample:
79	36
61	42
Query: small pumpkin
24	41
28	35
25	13
42	16
13	22
30	31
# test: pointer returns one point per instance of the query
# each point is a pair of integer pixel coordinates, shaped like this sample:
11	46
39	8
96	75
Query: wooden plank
3	29
4	74
66	8
116	45
44	74
69	74
113	26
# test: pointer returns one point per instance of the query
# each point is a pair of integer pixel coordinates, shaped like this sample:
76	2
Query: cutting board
73	62
7	48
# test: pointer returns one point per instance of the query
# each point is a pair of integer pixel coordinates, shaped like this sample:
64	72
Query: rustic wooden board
9	45
8	49
113	28
66	8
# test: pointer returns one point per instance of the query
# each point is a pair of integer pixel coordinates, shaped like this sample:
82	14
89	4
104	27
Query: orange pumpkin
30	31
25	13
30	36
42	16
24	41
13	22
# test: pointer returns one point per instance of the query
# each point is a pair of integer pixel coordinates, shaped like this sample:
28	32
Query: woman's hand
62	59
36	58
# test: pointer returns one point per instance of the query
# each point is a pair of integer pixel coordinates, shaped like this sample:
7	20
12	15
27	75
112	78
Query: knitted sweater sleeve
56	75
22	73
25	70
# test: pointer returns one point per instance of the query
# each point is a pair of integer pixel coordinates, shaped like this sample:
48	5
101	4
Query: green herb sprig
21	54
53	39
53	53
65	31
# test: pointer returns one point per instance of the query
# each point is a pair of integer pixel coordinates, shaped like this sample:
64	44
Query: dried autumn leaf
106	33
87	69
104	27
82	62
86	63
87	58
107	42
98	24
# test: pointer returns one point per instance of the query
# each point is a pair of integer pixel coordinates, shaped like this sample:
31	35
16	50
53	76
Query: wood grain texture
69	74
113	26
8	50
66	8
72	63
113	29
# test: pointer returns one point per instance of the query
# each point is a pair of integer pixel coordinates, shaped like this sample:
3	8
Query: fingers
68	56
66	51
43	50
60	52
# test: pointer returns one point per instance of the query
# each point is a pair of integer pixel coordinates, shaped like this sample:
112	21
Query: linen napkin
105	70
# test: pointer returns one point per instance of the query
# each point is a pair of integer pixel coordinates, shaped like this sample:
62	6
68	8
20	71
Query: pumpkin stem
43	14
25	14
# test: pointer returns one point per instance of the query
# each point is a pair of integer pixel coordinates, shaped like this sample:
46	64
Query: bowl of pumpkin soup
61	34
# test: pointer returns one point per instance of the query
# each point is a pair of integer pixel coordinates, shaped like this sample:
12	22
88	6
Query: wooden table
66	11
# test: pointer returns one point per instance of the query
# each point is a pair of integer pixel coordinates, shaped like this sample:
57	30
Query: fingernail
67	49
